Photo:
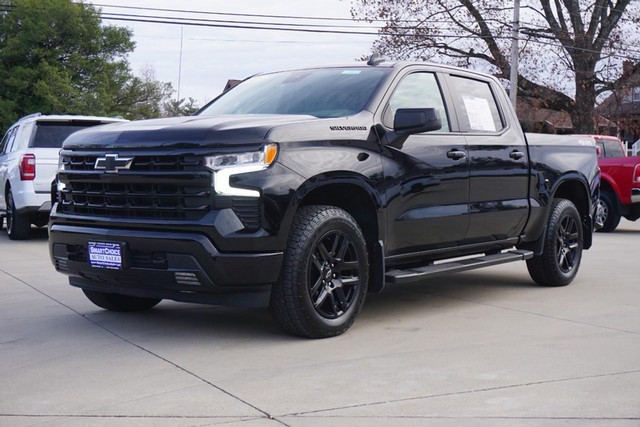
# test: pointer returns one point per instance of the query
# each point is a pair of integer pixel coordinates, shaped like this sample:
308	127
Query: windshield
328	92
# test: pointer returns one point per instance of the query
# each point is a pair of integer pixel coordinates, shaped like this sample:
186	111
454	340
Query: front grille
154	187
131	200
140	163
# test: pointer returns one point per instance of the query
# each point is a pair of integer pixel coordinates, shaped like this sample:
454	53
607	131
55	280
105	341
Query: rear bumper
635	195
163	264
27	200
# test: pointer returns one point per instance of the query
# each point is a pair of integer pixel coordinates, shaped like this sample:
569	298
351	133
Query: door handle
516	155
456	154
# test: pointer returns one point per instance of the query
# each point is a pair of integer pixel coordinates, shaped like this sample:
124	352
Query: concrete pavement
482	348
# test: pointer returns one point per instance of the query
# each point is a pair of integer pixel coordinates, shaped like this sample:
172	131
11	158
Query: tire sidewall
612	219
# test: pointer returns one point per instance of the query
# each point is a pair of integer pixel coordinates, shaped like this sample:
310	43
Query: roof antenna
375	59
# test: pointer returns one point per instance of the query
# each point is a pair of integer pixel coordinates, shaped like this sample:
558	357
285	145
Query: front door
426	175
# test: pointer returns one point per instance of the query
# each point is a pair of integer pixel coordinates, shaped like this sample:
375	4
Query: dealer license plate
105	255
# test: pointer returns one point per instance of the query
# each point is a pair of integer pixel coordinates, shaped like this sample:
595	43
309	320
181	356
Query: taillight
636	174
28	167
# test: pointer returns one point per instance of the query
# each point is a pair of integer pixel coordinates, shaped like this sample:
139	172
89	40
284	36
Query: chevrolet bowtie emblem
111	163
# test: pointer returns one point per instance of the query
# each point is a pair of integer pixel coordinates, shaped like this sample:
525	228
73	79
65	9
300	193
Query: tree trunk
583	114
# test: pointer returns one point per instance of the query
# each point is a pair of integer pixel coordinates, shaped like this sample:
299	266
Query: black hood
181	132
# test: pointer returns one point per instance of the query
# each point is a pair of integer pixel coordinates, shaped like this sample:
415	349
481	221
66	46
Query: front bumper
181	266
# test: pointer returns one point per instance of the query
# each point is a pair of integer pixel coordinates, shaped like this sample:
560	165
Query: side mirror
408	121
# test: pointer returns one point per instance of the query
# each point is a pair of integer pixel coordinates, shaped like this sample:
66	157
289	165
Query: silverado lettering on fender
303	190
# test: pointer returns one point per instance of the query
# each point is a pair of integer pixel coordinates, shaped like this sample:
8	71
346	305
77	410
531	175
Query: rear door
498	160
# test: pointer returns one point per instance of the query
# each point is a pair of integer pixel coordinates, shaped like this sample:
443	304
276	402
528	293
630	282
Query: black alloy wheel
333	274
324	275
567	243
562	251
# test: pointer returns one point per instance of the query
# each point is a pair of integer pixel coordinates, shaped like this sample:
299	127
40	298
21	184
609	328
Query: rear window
610	148
53	134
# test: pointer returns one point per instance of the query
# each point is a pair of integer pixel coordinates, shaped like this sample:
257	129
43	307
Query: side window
7	141
478	111
613	149
418	90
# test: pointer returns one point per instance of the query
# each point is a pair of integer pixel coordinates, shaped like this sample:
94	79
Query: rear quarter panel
556	159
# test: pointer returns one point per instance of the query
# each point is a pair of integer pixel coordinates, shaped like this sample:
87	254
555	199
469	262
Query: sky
210	56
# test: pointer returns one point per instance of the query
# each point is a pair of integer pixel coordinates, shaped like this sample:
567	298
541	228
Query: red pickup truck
620	183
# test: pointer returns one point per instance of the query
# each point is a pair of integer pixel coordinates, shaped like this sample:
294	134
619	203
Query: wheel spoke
316	262
350	281
344	245
321	298
334	305
324	253
316	286
342	298
334	247
346	266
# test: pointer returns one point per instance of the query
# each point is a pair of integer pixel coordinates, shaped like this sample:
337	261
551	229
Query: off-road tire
559	262
610	212
119	302
18	225
324	275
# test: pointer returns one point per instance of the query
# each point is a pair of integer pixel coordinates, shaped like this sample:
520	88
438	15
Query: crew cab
304	190
620	183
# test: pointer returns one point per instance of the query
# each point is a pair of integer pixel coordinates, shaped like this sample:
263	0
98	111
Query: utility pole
515	34
180	62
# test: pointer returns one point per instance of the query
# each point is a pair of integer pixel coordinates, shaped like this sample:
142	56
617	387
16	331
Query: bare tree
571	50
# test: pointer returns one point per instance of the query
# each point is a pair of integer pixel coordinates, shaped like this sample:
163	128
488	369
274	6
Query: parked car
304	190
28	164
620	183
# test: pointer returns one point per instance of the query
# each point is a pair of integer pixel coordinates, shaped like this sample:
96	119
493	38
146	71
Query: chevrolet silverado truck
619	183
304	190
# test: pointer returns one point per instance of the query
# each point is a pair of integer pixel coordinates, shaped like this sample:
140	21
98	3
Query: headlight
226	165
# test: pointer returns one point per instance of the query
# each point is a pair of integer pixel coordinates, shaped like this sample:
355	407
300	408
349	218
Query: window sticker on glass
351	72
478	113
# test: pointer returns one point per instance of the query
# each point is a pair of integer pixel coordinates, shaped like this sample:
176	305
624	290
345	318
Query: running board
420	273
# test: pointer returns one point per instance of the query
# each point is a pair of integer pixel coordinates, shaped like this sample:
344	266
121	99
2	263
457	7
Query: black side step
420	273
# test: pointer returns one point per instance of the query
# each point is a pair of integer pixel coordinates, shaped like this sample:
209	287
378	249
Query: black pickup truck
303	190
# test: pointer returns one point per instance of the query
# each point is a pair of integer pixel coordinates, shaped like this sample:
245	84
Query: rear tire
559	262
608	212
324	276
18	225
119	302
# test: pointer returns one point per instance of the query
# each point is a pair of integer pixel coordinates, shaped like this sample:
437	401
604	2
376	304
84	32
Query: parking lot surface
482	348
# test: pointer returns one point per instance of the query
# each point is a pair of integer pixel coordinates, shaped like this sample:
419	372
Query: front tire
559	262
119	302
608	212
18	226
324	275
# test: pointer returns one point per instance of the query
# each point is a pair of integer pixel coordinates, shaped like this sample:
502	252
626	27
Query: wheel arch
362	202
577	191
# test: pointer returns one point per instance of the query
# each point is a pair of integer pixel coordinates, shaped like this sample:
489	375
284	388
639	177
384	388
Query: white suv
28	164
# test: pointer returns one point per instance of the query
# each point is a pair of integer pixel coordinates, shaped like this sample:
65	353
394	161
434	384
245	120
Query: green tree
56	57
571	50
180	107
